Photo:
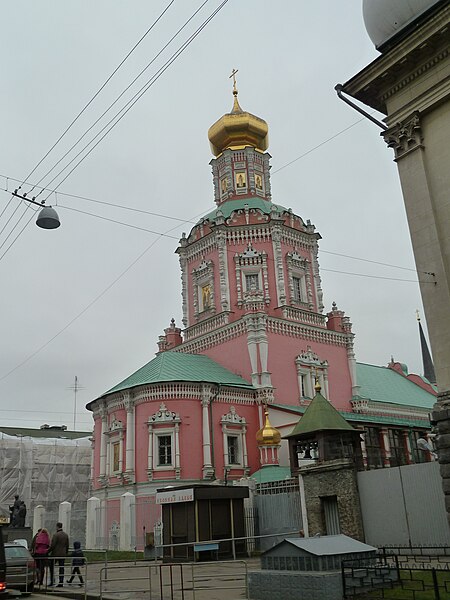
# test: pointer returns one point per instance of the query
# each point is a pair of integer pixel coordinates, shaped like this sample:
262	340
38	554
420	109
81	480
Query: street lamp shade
48	218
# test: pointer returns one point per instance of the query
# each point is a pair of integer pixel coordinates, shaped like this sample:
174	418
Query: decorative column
252	348
177	451
316	272
184	279
263	347
386	447
278	260
130	440
150	452
244	447
352	366
206	436
223	271
104	417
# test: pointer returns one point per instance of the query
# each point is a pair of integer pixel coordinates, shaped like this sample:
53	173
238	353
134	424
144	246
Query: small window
164	450
298	289
233	450
116	457
252	282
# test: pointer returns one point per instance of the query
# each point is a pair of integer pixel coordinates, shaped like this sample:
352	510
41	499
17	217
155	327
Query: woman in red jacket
41	546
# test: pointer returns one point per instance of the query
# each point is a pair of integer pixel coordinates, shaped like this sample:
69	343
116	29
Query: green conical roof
177	366
320	416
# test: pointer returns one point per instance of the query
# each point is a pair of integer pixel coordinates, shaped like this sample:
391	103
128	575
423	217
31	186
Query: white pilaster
244	447
93	522
207	465
64	514
103	443
130	443
38	518
127	521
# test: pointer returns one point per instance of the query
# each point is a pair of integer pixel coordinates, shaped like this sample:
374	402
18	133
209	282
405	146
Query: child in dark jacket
77	562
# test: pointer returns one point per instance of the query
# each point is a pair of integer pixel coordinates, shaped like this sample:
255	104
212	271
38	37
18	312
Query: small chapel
226	389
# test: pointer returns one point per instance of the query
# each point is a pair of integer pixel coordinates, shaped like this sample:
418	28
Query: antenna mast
76	387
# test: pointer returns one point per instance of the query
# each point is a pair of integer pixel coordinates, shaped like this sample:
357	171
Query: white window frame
300	277
158	433
114	435
163	423
235	436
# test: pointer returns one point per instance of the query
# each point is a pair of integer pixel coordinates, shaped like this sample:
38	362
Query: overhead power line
117	99
108	79
129	105
113	122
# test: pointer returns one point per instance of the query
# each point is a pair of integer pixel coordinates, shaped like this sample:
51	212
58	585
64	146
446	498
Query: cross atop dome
238	128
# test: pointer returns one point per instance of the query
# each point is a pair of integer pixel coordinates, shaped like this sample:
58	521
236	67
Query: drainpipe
339	90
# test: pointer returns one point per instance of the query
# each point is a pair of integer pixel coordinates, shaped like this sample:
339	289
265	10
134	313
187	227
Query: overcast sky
67	305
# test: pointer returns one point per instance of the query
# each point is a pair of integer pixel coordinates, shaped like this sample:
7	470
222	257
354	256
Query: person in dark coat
77	562
21	514
59	548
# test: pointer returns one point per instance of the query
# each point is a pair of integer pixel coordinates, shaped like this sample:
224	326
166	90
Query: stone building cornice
398	67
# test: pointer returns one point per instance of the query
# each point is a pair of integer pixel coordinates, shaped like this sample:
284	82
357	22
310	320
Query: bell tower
251	287
239	140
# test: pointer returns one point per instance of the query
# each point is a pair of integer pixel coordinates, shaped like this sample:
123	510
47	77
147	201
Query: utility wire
108	79
69	127
83	212
118	98
129	105
92	302
318	146
322	251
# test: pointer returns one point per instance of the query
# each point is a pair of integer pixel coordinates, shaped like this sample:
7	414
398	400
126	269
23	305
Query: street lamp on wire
47	218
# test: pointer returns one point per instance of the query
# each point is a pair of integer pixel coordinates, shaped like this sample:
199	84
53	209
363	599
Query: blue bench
206	547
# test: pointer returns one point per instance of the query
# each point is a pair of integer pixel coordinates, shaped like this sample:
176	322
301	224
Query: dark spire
428	367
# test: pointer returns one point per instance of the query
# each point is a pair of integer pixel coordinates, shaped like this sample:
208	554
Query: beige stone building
410	84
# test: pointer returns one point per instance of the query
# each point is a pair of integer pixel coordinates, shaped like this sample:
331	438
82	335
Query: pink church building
255	337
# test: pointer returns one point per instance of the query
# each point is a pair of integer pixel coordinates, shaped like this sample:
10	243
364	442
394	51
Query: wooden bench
206	547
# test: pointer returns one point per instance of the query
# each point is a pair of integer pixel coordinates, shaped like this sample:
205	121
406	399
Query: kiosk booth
203	522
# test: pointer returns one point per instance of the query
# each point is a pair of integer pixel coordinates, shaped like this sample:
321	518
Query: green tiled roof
320	416
381	384
231	205
271	473
363	418
177	366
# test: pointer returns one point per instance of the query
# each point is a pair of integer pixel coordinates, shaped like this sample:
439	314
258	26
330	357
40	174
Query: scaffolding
46	471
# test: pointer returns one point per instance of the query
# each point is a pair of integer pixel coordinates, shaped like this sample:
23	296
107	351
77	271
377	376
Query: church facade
256	338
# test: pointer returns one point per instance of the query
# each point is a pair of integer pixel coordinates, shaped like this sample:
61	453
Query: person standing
77	562
59	549
40	553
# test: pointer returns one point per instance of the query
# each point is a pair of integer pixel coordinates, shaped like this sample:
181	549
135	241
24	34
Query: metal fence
193	581
403	573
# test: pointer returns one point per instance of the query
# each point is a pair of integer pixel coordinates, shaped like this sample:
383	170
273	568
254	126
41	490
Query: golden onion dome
268	435
238	129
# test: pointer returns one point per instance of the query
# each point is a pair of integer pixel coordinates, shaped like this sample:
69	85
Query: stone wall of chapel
340	481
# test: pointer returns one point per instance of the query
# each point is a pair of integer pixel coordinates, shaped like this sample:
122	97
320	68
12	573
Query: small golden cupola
268	435
269	440
238	129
